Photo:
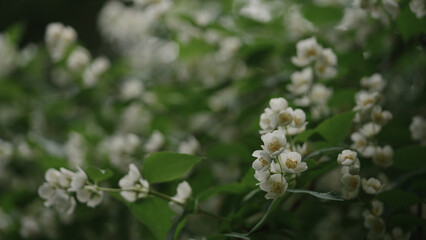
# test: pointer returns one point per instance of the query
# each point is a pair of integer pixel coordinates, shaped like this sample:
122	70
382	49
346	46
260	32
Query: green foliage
336	128
324	196
97	174
397	198
167	166
410	157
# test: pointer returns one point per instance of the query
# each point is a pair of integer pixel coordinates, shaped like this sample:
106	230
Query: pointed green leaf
98	174
168	166
325	196
336	128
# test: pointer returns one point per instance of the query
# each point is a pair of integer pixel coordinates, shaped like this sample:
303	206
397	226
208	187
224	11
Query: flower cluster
133	185
59	40
371	117
279	116
350	173
59	187
277	160
316	60
379	9
373	222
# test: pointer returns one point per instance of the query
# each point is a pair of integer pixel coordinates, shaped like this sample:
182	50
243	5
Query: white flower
328	57
351	182
370	129
418	8
307	51
373	83
262	162
78	181
261	176
292	162
346	157
275	186
352	169
274	143
65	177
376	226
29	227
379	116
366	100
383	156
78	59
278	104
63	202
256	10
6	151
90	195
372	185
299	118
268	120
58	38
324	71
92	72
190	146
301	81
131	88
376	208
418	129
155	142
285	117
320	94
184	191
134	185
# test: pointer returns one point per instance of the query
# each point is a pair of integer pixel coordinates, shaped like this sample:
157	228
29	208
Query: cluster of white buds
373	222
350	173
418	129
133	185
279	116
372	117
59	38
277	159
311	55
183	193
60	185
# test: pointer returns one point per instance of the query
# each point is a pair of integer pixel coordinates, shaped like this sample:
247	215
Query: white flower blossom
418	129
78	59
351	182
301	81
346	157
278	104
418	8
268	120
366	100
380	117
275	186
131	89
370	129
376	208
93	71
320	94
372	185
90	195
58	38
190	146
134	185
374	83
352	169
184	192
155	142
261	176
307	51
274	143
263	160
292	162
383	156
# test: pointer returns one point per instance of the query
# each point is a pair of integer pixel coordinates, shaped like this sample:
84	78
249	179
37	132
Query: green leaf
229	151
336	128
397	198
232	188
325	196
410	157
318	152
409	25
271	209
321	15
98	174
155	214
168	166
304	135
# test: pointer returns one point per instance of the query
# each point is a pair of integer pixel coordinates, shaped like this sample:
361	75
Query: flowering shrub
257	119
